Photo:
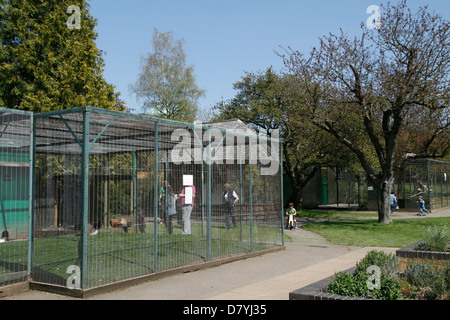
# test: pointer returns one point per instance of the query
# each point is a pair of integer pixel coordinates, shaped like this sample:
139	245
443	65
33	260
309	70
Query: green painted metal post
208	243
32	162
134	180
166	192
241	192
199	140
85	198
282	199
156	199
428	184
442	184
209	209
203	197
107	201
251	192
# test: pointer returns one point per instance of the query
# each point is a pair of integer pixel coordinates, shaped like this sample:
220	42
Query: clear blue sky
223	38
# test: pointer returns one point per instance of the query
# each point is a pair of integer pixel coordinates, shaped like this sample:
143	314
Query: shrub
419	274
386	262
421	280
428	281
435	239
389	289
347	284
357	285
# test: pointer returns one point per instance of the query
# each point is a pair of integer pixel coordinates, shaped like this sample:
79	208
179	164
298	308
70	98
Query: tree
45	64
266	102
388	81
166	83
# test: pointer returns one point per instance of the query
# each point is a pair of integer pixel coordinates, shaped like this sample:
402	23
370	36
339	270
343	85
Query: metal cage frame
87	133
16	203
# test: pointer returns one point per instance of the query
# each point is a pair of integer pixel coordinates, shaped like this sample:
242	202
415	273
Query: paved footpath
307	259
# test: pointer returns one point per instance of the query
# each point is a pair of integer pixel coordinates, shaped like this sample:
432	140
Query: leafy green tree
266	101
49	59
391	82
166	83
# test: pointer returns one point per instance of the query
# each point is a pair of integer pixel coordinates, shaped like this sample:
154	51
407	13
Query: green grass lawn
368	233
319	214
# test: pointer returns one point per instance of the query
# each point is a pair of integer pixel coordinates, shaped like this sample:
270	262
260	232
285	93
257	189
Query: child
393	202
291	212
422	207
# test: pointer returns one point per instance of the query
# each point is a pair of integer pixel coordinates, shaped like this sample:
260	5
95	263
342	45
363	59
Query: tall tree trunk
298	197
384	188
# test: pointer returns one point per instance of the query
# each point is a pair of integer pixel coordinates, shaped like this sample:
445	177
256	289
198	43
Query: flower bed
410	254
317	291
420	280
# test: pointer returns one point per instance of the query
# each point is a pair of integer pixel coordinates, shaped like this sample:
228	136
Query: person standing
187	197
230	198
171	208
141	220
162	213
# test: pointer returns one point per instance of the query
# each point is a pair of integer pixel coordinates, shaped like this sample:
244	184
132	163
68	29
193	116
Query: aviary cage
104	189
427	178
16	139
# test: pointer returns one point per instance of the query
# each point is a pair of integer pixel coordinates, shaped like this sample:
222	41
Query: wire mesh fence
144	195
420	177
15	141
89	197
427	178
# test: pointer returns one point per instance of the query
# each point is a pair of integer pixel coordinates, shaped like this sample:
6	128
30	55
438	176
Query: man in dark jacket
229	198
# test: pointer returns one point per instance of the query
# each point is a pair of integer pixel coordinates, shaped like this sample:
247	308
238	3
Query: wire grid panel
152	198
15	141
57	219
439	185
429	179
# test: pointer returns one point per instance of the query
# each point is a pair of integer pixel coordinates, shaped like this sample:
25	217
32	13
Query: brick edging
410	252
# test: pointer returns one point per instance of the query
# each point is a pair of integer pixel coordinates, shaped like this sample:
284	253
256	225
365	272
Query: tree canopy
392	82
269	101
45	63
166	84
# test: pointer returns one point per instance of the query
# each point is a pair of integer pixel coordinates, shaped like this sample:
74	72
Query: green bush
386	262
428	281
389	289
346	284
419	274
356	285
421	280
435	239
